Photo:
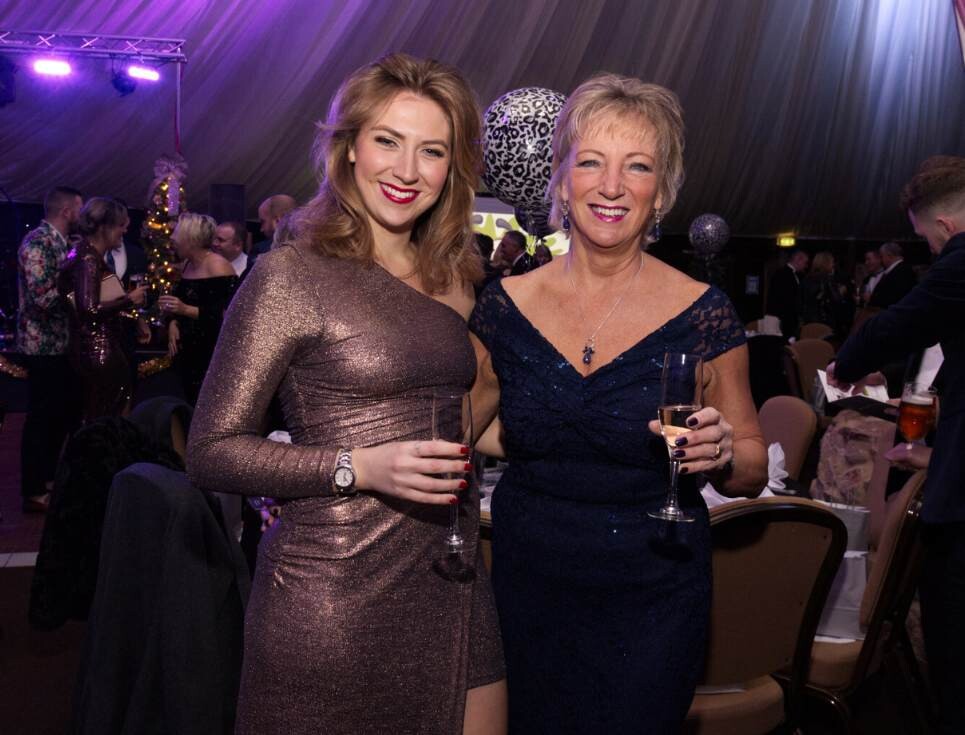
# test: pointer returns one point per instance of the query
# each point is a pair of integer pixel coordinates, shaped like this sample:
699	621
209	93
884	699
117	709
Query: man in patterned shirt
42	334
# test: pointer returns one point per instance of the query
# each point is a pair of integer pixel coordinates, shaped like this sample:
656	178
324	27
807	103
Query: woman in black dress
198	301
96	304
603	609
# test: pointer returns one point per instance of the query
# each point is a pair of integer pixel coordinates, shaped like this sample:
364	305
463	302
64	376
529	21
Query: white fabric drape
804	115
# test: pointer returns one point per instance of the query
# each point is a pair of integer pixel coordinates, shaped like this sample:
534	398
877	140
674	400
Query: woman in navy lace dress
604	610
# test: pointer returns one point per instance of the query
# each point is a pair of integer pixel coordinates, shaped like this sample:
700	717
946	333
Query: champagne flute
916	412
452	421
681	389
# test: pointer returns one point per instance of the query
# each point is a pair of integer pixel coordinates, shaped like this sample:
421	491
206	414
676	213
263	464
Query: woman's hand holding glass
138	295
708	446
171	305
412	470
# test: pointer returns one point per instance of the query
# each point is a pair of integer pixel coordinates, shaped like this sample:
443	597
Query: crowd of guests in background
78	329
83	313
808	290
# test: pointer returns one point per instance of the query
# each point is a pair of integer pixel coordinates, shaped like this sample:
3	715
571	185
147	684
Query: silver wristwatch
343	478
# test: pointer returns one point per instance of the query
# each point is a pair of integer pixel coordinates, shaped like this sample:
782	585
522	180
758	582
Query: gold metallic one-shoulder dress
351	627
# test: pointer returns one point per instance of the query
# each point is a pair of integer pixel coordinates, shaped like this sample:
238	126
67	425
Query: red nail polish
467	467
464	450
453	501
463	484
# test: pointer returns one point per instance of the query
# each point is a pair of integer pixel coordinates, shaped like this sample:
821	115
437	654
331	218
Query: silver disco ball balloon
708	234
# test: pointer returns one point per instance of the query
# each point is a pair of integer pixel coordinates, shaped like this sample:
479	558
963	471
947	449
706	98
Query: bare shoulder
460	297
528	286
677	287
216	265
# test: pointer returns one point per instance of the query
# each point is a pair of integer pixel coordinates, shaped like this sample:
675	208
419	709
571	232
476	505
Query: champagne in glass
681	392
452	421
916	413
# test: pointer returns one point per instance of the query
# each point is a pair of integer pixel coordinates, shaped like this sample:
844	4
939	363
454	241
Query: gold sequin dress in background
350	628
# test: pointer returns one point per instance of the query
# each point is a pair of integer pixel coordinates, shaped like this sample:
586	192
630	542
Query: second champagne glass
452	421
681	394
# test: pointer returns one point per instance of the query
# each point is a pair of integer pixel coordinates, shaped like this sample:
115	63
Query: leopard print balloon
517	146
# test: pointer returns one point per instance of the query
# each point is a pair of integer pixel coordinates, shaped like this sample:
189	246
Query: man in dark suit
897	279
511	254
784	293
933	312
129	261
873	271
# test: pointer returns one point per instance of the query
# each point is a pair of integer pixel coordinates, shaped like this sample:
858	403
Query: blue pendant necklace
589	348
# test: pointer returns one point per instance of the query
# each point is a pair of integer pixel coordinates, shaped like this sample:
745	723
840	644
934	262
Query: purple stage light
143	72
52	67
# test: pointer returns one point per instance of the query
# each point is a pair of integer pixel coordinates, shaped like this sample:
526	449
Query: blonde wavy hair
610	98
198	228
335	220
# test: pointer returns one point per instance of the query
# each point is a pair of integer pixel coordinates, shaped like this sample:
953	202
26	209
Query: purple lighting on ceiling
52	67
143	72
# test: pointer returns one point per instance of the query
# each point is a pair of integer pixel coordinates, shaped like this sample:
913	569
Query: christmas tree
165	203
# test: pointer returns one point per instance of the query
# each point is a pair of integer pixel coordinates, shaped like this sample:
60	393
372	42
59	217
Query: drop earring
655	232
566	217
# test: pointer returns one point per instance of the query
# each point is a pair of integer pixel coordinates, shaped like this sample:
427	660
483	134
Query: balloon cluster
518	155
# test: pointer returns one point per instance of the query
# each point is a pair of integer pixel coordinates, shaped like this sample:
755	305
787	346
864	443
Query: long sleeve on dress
87	292
263	332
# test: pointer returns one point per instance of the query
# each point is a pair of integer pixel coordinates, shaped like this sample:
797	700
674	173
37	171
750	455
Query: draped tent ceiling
802	115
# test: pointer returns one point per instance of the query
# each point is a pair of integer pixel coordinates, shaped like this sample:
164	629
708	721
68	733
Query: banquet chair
774	560
790	422
838	670
807	357
164	639
815	330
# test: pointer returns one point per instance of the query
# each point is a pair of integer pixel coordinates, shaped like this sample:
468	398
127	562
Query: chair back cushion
790	422
815	330
810	355
773	563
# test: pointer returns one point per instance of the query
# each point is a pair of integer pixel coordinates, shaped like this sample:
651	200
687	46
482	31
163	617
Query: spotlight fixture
143	72
123	83
52	67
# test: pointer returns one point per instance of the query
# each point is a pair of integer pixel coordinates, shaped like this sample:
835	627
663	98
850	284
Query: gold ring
716	452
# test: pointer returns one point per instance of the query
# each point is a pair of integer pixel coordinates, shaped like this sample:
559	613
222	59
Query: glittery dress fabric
95	347
352	626
603	610
199	336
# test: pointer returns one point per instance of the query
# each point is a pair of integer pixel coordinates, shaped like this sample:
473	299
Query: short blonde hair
196	227
618	97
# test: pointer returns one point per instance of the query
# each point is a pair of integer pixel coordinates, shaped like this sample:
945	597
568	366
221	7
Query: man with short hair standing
784	293
229	243
897	278
42	336
932	313
269	213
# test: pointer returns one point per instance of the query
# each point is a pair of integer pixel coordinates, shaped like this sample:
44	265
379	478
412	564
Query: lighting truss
93	45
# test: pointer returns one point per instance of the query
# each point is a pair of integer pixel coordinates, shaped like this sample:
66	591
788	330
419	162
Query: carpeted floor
37	670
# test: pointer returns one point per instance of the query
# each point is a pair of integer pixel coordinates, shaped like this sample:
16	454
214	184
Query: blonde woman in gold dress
350	628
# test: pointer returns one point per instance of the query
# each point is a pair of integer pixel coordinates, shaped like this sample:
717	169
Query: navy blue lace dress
603	610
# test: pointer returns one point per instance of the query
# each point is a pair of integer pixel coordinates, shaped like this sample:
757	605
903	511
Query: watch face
344	477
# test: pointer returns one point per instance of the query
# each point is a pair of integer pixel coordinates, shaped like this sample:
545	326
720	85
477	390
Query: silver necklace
589	348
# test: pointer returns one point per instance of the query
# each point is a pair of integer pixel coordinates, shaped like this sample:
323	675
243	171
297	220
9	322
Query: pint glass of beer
916	414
